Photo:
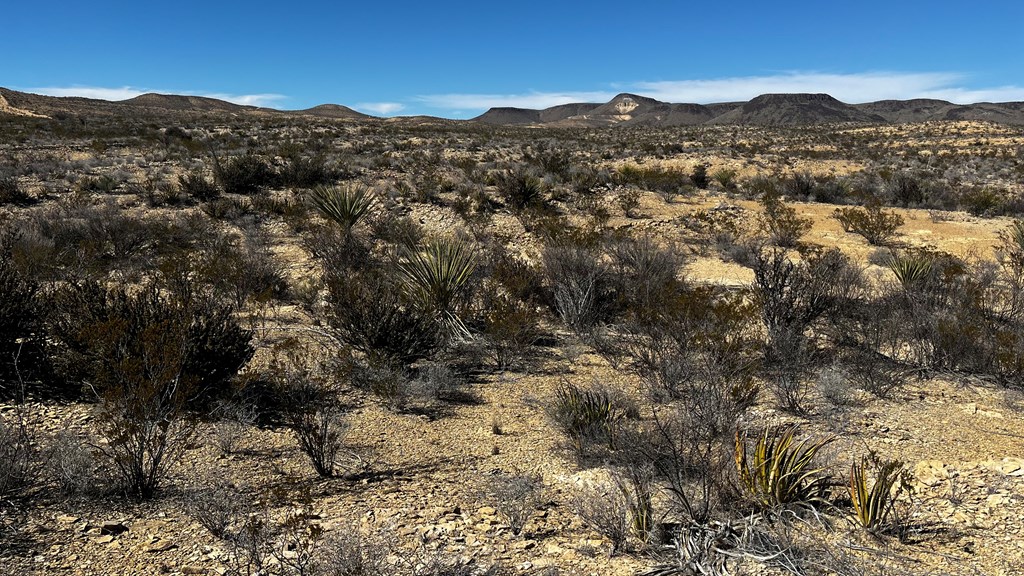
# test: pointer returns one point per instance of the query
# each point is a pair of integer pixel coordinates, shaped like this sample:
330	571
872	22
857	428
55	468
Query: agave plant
873	505
344	205
434	276
780	472
912	270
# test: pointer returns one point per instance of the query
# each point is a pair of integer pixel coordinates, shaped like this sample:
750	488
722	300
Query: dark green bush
367	312
21	330
117	340
246	174
11	192
198	186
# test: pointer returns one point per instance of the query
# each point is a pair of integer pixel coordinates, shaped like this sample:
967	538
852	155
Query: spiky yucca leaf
436	273
344	205
911	270
872	506
779	471
585	413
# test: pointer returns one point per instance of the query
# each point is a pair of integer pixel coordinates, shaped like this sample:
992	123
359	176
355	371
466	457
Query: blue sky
456	59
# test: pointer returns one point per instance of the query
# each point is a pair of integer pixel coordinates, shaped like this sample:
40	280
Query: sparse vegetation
431	305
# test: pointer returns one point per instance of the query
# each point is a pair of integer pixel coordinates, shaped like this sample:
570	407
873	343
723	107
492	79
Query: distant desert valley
782	336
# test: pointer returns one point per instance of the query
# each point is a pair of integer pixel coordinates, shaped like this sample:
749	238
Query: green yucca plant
912	270
779	471
435	274
874	502
586	414
344	205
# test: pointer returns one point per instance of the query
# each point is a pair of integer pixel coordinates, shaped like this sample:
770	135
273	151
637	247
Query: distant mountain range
623	110
765	110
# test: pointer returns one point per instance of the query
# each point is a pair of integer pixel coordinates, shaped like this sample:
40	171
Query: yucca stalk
872	506
911	270
434	276
344	205
779	471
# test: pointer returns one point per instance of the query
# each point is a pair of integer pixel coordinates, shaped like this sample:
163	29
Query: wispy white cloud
126	92
380	108
852	88
527	100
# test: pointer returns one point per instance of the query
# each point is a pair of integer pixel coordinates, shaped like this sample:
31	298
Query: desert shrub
875	225
983	200
109	337
151	359
367	311
235	419
606	510
343	205
216	508
11	192
779	471
311	404
629	201
792	297
520	188
230	209
695	345
198	186
699	176
653	178
801	186
646	275
74	466
239	269
246	174
17	458
835	385
874	502
586	416
726	178
21	330
301	171
584	292
516	498
905	189
435	381
761	185
509	327
387	380
781	223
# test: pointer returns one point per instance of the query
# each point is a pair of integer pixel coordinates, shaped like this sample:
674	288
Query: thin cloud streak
850	88
127	92
529	100
380	108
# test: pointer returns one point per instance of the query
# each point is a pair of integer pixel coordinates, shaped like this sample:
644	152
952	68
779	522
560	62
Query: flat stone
113	528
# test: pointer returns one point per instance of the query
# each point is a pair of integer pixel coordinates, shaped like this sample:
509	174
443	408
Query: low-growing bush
11	192
586	416
781	223
521	188
246	174
198	186
877	226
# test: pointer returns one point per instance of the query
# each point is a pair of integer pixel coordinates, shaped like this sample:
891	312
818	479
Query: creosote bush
153	360
877	226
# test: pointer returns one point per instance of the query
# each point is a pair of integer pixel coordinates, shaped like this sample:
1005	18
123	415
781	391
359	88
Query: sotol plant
436	274
344	205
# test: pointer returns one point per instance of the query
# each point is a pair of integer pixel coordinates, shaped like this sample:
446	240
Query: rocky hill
764	110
